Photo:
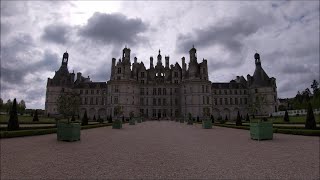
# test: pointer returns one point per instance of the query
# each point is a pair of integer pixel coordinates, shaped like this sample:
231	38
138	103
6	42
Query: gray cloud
57	33
228	33
113	28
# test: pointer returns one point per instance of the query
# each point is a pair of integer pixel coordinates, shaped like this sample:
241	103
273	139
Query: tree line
303	98
6	107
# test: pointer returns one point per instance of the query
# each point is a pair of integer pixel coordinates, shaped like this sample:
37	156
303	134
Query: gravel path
161	150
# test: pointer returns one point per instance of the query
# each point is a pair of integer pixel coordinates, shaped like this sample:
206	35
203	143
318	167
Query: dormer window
119	70
142	74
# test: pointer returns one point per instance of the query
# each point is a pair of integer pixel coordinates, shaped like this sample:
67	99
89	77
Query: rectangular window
154	92
154	101
226	101
142	81
245	101
92	91
141	91
215	101
164	91
225	91
97	101
116	100
230	91
91	100
147	91
235	91
203	88
220	101
236	101
240	100
141	102
231	101
207	89
159	91
142	74
219	91
175	74
207	99
159	102
81	91
176	101
175	90
203	101
86	91
116	89
164	102
98	92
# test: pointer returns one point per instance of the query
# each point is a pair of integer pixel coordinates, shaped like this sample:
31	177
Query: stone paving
161	150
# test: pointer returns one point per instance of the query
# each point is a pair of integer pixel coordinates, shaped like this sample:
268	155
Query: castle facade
165	91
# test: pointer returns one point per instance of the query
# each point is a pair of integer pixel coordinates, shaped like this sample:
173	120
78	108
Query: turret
159	62
113	65
126	55
257	59
193	55
65	58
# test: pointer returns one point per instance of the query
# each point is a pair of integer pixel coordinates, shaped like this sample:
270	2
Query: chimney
184	66
78	76
167	61
151	62
135	60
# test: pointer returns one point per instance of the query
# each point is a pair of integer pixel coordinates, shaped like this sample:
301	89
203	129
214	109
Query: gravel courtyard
161	150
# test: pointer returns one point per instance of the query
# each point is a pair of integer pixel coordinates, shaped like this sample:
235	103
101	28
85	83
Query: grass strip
34	132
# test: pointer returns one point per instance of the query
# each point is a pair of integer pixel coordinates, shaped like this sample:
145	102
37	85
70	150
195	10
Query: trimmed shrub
35	116
212	119
238	121
13	123
73	118
84	119
286	117
247	117
310	120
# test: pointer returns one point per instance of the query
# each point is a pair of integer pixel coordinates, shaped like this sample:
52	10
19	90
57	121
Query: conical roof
260	77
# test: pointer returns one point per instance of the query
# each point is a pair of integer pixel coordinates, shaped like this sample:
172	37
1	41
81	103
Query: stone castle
165	91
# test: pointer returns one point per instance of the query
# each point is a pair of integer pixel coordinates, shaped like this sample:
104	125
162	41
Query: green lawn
292	119
27	119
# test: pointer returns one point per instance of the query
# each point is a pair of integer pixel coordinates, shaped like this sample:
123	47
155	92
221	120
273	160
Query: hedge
283	130
33	132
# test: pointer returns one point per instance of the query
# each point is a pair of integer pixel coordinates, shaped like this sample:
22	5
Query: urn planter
68	131
261	130
207	124
181	120
117	124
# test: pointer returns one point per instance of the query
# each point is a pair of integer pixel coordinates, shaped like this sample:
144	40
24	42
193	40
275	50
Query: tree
286	117
310	120
1	103
68	104
315	87
22	107
238	121
35	116
9	105
84	119
13	123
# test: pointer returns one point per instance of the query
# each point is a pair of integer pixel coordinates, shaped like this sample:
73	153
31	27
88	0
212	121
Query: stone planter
138	119
132	121
68	131
190	122
117	124
207	124
261	130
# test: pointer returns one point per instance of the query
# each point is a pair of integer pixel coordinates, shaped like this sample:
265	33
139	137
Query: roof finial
193	46
159	51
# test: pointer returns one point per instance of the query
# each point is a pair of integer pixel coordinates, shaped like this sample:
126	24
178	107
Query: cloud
116	29
56	33
228	33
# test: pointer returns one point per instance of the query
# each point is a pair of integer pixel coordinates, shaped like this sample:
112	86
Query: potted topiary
131	121
261	129
68	104
206	122
117	124
190	121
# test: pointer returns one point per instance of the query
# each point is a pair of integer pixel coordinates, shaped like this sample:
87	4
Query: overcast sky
35	34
